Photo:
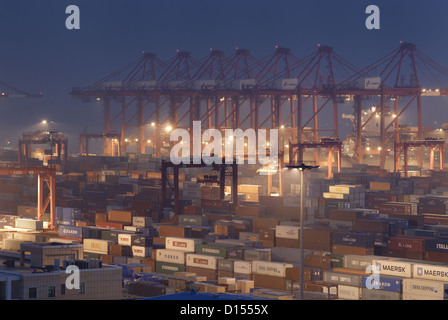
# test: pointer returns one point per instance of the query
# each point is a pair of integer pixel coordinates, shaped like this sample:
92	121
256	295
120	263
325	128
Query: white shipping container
434	289
286	84
139	251
287	232
243	267
202	261
96	245
125	239
349	292
141	221
411	296
243	84
112	85
367	83
144	85
430	272
394	268
270	268
187	245
203	84
170	256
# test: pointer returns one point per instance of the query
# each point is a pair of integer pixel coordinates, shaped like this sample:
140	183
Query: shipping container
171	256
394	268
348	292
169	268
97	245
432	289
383	283
430	272
201	261
242	267
187	245
270	268
139	251
342	278
373	294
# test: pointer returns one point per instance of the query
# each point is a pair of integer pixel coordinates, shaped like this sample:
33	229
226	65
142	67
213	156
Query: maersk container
374	294
171	256
349	292
242	267
364	240
437	245
377	282
183	244
434	289
430	272
342	278
394	268
201	261
74	232
270	268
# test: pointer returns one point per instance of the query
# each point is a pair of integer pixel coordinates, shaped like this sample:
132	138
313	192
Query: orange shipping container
124	217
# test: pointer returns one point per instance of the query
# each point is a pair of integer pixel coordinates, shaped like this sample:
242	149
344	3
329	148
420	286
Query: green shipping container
211	250
337	260
169	268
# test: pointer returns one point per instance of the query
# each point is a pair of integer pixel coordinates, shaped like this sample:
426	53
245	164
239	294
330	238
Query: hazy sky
38	53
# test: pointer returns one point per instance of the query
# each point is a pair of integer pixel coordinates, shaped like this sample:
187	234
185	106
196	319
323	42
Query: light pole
302	167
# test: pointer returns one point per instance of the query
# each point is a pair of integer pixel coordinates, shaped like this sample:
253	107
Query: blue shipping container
364	240
378	282
437	245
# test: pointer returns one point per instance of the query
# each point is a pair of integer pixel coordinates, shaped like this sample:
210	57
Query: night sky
38	53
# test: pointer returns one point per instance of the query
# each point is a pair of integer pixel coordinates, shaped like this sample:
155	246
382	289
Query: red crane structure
403	74
46	188
280	91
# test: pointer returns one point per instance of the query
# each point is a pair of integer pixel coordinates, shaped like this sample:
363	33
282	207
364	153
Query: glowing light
149	141
282	126
153	124
368	148
168	128
126	140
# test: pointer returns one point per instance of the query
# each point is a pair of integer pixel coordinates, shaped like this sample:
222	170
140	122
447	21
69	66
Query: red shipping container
406	244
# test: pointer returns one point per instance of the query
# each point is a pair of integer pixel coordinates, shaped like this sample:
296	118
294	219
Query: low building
67	279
